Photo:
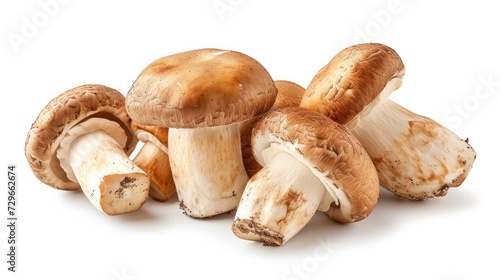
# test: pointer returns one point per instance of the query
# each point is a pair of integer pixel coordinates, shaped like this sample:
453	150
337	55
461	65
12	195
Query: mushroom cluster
221	134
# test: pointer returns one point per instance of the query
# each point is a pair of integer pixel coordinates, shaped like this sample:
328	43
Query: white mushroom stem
279	201
95	159
416	157
109	179
207	168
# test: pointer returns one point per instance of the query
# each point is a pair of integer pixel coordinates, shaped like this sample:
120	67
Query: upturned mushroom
154	160
289	95
82	140
310	163
202	96
416	157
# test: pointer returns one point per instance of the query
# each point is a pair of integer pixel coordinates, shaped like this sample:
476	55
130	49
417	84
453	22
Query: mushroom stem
416	157
109	179
278	201
155	162
207	168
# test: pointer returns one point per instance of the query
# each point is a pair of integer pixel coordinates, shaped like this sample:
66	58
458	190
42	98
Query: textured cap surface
351	80
59	116
329	150
205	87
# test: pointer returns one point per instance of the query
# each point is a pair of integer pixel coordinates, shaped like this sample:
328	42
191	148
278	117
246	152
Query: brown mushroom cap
289	94
197	88
59	116
329	150
352	80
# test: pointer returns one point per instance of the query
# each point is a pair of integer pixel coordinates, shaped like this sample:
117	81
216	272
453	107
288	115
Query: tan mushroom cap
59	116
362	68
330	151
199	88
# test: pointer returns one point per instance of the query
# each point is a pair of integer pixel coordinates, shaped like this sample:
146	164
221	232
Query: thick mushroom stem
155	162
279	201
109	179
207	168
416	157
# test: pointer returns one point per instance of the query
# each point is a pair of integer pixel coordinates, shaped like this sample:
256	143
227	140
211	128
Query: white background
451	53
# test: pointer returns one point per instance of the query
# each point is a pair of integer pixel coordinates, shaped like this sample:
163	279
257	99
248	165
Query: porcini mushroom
416	157
82	139
310	163
289	95
153	159
202	96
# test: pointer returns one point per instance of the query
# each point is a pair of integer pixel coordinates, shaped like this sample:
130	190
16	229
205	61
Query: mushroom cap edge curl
335	160
62	113
329	150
